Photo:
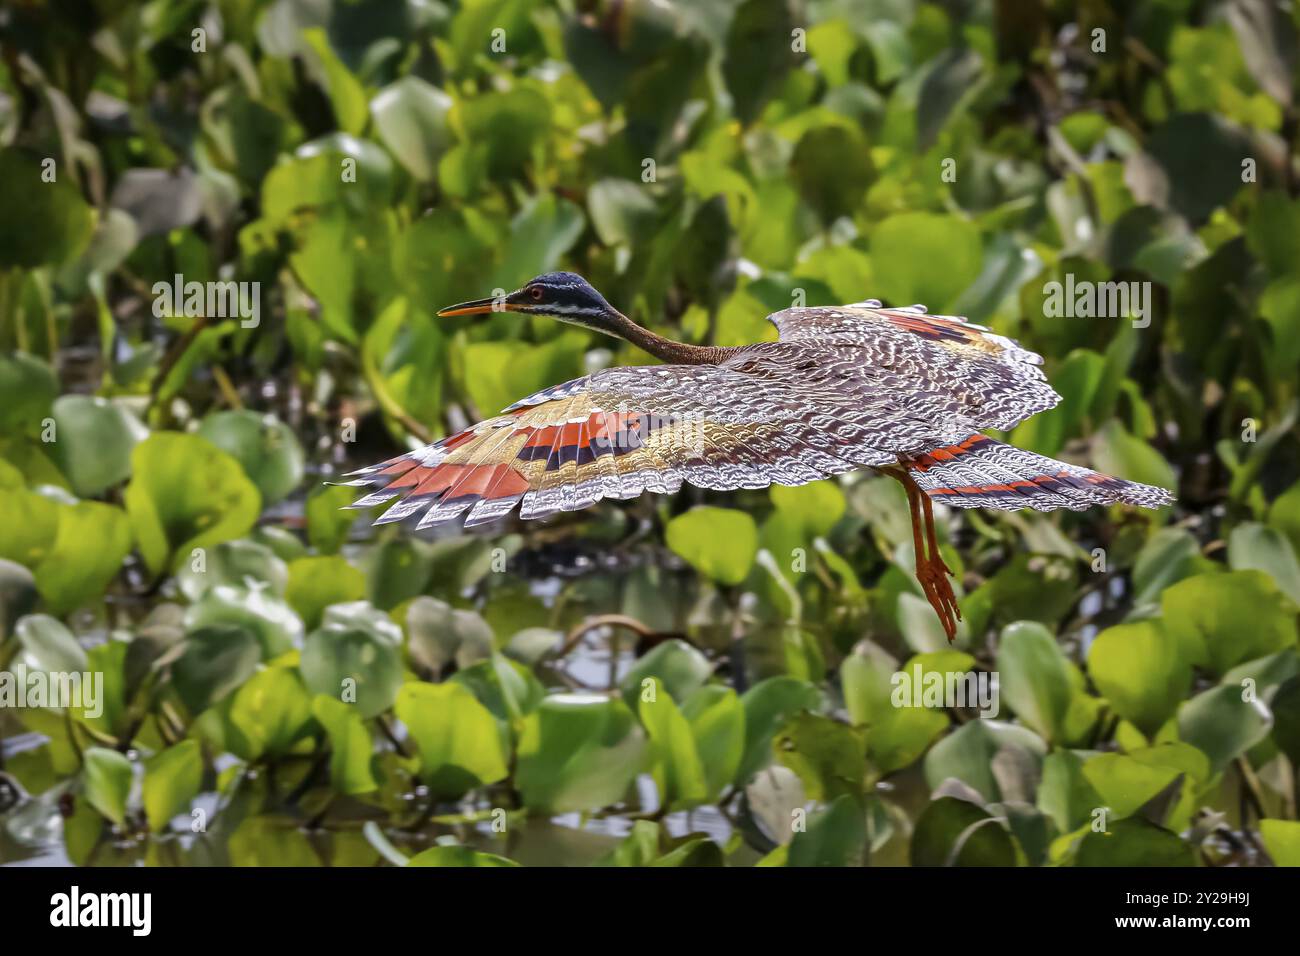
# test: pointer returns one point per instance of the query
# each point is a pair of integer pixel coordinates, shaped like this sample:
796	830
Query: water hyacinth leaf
327	521
233	563
87	552
1205	613
1141	670
459	741
1222	724
28	388
266	447
214	662
457	856
696	851
1034	678
351	746
836	836
828	756
1286	718
270	713
411	120
578	752
266	616
1125	783
349	662
346	94
717	720
621	210
815	507
967	755
1065	793
506	688
769	705
316	582
171	781
48	645
186	493
896	735
638	848
675	762
93	442
952	832
1281	840
676	665
1256	547
267	841
18	595
1134	842
107	782
42	222
720	543
903	248
758	55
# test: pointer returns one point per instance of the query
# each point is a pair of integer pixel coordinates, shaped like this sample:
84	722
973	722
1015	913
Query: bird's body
844	388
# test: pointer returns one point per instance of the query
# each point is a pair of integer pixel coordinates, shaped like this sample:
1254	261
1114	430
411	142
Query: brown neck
667	350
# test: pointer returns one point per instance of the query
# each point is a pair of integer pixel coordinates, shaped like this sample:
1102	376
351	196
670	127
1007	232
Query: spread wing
623	431
995	383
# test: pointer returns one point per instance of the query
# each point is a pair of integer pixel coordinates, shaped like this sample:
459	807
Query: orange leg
931	571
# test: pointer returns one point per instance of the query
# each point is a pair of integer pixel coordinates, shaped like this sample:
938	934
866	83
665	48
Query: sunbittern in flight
846	387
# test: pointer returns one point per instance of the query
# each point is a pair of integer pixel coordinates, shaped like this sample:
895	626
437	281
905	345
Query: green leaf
347	95
1141	669
896	736
350	745
41	222
1222	725
1116	452
348	661
952	832
1134	842
411	120
317	582
327	523
1281	840
828	756
186	493
578	752
769	705
460	743
720	543
87	552
815	507
717	720
233	563
675	763
171	782
107	782
677	665
758	55
457	856
1034	678
270	713
967	755
270	619
836	836
904	248
49	646
1205	614
94	439
1253	546
1125	783
214	661
264	446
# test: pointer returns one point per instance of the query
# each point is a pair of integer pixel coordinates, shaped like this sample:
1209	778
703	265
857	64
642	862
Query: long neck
667	350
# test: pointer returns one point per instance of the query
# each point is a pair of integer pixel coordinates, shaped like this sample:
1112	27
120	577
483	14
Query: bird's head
566	296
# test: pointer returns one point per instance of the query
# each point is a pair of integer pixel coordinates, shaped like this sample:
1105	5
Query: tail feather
983	473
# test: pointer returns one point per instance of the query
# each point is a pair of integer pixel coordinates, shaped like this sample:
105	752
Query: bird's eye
535	293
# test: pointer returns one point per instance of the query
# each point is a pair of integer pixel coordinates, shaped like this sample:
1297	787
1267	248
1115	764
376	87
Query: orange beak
477	307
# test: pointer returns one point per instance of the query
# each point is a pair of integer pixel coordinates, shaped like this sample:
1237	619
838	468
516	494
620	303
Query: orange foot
933	574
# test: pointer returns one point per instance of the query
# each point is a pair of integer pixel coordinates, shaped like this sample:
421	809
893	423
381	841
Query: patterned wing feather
992	380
